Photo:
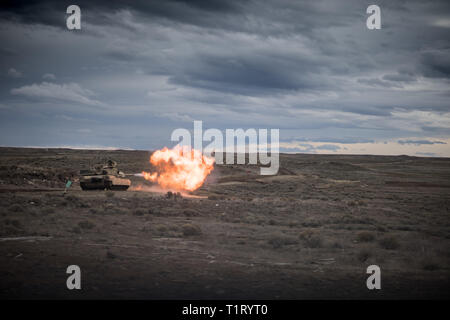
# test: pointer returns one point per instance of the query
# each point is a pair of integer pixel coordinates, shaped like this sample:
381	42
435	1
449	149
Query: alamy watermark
374	280
74	280
236	149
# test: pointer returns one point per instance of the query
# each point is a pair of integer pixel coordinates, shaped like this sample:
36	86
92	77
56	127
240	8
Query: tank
104	177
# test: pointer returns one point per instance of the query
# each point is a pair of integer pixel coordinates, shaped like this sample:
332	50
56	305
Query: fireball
179	170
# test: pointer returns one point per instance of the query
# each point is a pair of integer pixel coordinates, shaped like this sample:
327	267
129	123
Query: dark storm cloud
43	12
249	71
399	77
311	67
245	74
436	63
52	12
375	82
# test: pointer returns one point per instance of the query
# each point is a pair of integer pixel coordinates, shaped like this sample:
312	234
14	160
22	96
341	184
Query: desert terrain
309	232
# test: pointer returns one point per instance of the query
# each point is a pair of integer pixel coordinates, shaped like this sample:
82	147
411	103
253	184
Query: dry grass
139	212
389	243
86	224
355	226
109	194
311	238
314	242
190	229
281	240
365	236
16	208
364	254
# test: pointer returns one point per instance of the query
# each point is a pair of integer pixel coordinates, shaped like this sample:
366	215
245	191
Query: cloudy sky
138	70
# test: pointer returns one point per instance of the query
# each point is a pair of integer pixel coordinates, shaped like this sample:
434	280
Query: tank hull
104	182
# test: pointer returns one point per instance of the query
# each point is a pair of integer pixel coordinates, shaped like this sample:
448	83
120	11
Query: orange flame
179	170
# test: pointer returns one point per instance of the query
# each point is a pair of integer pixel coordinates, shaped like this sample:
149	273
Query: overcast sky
136	71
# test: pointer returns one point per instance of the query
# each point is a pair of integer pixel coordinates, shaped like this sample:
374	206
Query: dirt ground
308	233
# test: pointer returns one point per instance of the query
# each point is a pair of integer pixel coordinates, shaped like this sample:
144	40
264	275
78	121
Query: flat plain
309	232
